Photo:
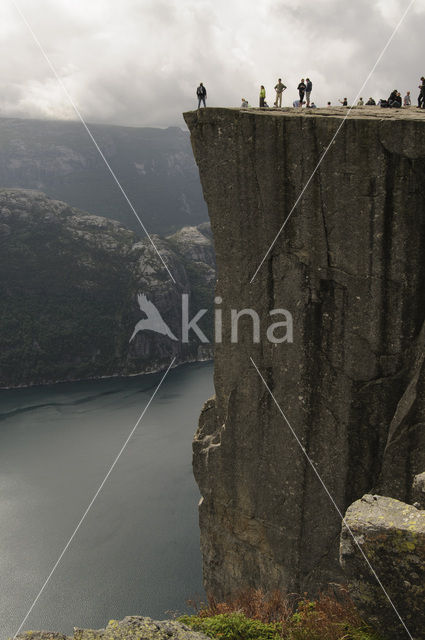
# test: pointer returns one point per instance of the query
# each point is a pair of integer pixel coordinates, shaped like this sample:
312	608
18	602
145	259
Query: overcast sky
138	62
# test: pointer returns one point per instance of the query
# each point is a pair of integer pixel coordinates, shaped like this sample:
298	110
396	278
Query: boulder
131	628
418	491
391	534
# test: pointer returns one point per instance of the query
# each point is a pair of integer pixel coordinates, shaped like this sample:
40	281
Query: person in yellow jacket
262	95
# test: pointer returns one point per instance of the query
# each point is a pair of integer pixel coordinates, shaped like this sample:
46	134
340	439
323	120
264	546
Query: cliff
69	282
350	267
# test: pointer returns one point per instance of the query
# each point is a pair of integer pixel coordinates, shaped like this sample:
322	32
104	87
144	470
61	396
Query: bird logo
153	322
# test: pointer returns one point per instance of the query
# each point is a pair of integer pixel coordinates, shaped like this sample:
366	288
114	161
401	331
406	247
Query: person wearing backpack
201	92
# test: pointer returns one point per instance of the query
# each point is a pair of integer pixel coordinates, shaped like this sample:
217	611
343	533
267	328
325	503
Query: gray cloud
138	62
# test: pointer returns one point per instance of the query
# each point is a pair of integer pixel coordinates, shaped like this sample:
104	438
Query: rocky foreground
391	534
131	628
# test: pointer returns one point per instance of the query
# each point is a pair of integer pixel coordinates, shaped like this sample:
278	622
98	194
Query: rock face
418	491
391	534
131	628
69	283
349	266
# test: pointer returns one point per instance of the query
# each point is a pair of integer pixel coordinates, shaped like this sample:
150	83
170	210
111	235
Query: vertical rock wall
350	267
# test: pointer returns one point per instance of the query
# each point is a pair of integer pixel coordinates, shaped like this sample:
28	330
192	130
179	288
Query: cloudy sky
138	62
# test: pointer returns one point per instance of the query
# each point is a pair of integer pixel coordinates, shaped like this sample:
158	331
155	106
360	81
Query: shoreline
152	371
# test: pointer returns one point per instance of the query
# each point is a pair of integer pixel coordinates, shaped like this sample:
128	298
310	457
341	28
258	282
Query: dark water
138	550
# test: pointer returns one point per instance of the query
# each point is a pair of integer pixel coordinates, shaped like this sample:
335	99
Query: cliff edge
350	268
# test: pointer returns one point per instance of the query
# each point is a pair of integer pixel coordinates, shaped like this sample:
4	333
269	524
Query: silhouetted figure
371	102
344	102
201	92
301	90
421	97
394	101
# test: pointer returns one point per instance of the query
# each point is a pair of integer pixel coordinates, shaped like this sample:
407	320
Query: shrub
234	626
253	615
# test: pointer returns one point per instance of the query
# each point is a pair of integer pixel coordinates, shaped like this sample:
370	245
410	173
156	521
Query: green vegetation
255	616
234	626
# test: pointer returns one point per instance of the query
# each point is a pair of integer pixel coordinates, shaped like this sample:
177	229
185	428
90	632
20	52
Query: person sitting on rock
394	101
298	103
244	104
344	102
360	103
371	102
407	100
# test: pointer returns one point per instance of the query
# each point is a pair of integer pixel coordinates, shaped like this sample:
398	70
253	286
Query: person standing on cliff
301	90
201	92
279	88
308	90
421	93
262	96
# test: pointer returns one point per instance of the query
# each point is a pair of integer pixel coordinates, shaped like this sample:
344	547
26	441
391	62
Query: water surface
137	553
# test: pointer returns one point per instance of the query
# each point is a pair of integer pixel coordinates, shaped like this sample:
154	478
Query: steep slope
69	282
350	267
154	166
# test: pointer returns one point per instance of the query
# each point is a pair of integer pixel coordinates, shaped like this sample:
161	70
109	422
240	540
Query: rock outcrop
391	534
349	265
69	282
418	491
131	628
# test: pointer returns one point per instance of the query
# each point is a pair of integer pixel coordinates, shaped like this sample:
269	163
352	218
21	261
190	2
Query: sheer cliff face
350	267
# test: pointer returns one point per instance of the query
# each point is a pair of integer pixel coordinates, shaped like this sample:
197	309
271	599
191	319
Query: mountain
69	286
154	166
349	266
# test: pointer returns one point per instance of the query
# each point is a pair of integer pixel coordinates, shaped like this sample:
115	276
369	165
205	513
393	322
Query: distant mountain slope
69	282
155	167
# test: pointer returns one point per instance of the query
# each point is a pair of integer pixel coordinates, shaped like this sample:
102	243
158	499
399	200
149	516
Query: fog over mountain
154	166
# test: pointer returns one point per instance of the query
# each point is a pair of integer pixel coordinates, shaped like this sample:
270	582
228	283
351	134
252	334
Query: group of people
305	88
